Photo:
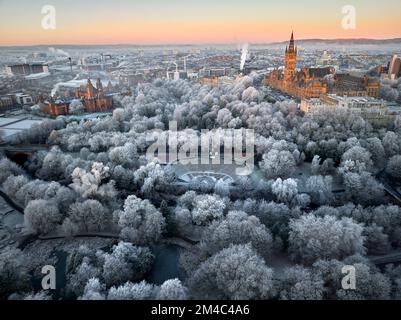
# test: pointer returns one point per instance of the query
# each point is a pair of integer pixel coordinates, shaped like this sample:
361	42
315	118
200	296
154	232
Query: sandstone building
94	99
315	82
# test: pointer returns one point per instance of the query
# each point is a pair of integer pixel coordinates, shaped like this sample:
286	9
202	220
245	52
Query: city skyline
192	22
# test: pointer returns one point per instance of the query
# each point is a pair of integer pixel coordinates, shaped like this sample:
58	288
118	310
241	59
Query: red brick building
94	99
55	107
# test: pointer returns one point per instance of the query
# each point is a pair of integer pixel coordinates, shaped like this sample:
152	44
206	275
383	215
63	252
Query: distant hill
360	41
302	42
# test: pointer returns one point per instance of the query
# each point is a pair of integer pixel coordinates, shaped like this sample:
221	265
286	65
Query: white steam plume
54	90
244	55
57	86
59	52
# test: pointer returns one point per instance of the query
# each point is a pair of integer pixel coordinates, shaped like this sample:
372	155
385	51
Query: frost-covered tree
363	188
222	188
371	285
327	167
126	263
88	216
207	208
42	216
94	290
152	177
377	242
34	190
38	296
277	164
391	144
319	188
140	221
315	166
133	291
182	218
388	92
236	228
78	279
224	117
285	191
299	283
243	186
233	273
76	107
13	272
360	157
124	178
312	238
119	114
64	197
276	216
14	183
124	155
388	217
54	164
376	149
91	184
394	274
172	290
8	168
187	199
393	168
250	94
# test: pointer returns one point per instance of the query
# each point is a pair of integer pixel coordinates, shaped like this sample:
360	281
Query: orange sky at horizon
104	26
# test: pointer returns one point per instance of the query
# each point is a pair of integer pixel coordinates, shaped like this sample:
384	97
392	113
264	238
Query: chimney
70	63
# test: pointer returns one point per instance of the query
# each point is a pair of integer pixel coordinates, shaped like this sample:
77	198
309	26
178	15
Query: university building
376	111
94	99
394	67
315	82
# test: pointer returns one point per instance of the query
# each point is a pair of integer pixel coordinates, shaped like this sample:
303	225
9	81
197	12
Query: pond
165	267
166	264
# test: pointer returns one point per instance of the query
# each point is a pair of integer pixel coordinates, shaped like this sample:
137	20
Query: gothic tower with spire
90	90
290	60
99	86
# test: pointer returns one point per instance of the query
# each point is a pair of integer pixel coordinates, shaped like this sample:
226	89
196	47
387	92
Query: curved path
26	239
394	257
82	235
388	188
11	202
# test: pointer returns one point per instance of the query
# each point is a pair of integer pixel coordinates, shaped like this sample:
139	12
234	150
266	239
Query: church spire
99	85
89	89
292	45
290	60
